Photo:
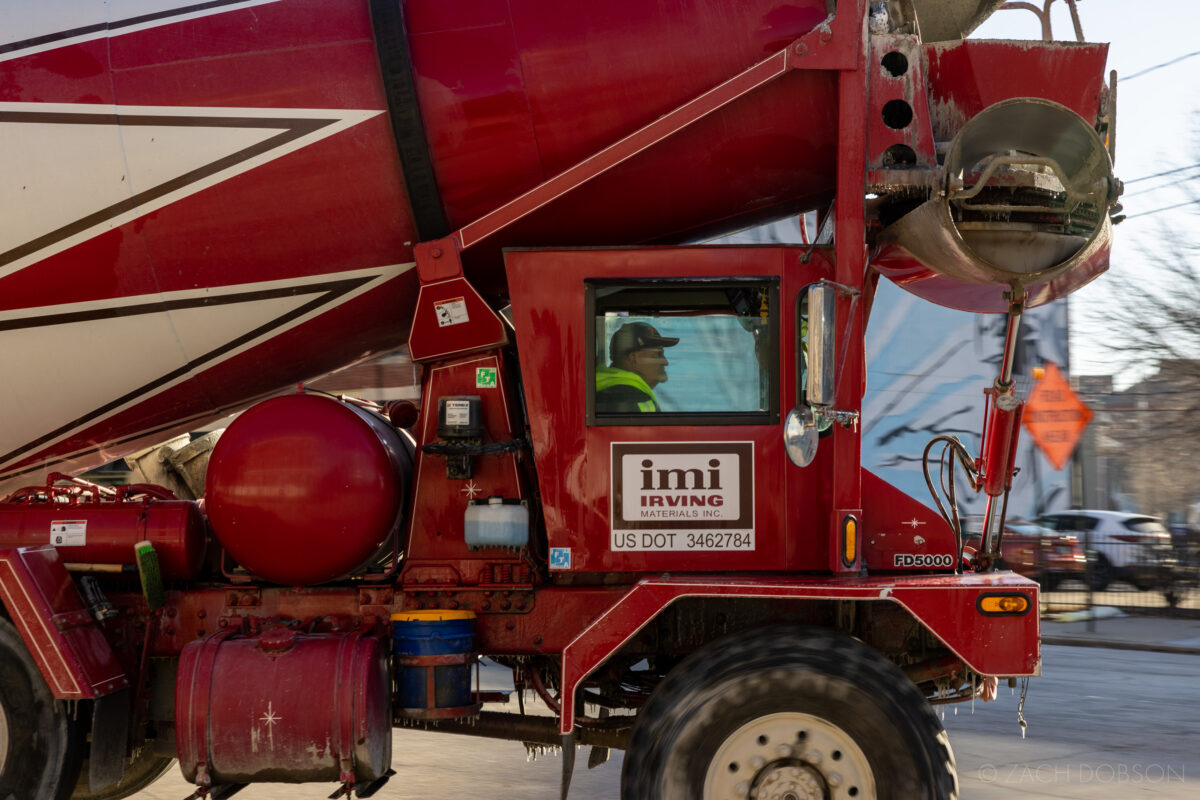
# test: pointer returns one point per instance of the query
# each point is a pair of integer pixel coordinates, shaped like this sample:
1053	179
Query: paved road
1102	724
1110	724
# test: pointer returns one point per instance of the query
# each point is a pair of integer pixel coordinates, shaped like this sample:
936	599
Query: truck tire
145	769
39	751
788	712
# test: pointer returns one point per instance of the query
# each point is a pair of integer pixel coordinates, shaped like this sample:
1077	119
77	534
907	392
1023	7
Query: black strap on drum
395	66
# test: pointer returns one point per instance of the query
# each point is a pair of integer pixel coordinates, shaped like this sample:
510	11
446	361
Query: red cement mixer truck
633	475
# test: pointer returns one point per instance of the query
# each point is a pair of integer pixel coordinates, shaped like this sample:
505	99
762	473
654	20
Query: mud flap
110	734
568	763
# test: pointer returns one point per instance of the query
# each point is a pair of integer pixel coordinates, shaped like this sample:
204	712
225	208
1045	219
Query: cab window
683	353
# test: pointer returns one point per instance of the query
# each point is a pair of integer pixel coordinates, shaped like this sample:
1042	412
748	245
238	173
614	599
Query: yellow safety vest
607	377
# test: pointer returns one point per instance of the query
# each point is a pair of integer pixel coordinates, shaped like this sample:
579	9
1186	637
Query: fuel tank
318	707
205	202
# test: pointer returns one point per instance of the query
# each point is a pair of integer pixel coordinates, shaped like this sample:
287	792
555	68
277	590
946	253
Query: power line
1159	66
1163	174
1158	210
1166	185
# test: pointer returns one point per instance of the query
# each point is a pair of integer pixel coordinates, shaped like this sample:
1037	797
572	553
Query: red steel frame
944	604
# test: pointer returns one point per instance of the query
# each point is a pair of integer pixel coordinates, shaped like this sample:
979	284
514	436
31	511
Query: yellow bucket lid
432	615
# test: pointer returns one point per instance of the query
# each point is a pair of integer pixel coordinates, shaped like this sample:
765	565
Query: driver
637	365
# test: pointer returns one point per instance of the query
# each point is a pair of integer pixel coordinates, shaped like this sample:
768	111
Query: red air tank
105	533
303	489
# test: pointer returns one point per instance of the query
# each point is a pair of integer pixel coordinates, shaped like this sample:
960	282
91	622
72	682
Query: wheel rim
789	756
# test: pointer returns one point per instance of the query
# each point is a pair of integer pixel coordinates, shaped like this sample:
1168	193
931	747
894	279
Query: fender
1007	646
67	645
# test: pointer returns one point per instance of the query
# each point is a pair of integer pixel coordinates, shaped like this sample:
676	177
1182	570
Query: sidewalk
1115	630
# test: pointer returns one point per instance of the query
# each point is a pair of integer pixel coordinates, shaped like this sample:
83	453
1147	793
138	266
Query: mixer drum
305	489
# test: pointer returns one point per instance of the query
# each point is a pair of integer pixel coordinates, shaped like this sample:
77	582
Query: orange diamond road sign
1055	416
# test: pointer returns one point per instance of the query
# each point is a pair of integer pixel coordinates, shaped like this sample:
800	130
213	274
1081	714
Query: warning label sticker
68	532
682	496
451	312
458	413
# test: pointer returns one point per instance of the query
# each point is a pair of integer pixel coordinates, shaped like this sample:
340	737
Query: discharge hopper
1022	206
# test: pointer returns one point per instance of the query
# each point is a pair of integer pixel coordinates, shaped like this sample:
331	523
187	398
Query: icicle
1021	706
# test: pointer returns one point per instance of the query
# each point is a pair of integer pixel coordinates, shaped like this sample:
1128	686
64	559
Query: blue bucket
434	651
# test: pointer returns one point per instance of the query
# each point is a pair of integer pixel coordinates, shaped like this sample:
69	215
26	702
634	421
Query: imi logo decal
682	496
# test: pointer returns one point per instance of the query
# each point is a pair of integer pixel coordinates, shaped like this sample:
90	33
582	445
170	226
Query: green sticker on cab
485	377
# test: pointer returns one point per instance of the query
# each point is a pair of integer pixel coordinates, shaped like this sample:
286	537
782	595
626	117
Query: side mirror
822	309
800	436
815	357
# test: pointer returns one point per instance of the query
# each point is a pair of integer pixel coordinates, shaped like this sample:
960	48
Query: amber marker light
1004	605
849	540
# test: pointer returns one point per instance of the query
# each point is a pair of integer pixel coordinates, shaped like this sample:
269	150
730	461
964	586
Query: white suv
1128	547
